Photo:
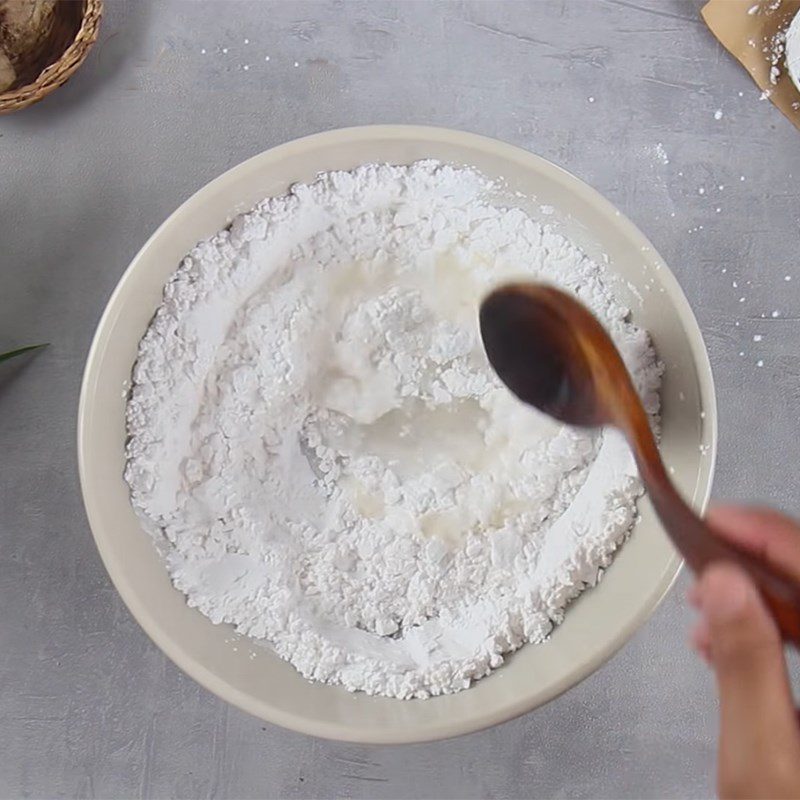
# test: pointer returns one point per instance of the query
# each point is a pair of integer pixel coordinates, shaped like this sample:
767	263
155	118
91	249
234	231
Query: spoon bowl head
540	341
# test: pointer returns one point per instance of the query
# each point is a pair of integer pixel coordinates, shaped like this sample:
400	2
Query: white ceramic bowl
793	50
598	623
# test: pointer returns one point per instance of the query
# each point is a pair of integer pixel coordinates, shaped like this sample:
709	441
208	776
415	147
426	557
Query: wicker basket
71	32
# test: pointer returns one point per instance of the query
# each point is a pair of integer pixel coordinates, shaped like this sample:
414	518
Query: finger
757	716
769	534
701	635
693	596
701	641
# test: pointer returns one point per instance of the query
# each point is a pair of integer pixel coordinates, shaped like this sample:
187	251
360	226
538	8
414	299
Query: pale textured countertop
89	707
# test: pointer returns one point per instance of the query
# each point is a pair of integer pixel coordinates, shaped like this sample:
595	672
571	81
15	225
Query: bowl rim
442	730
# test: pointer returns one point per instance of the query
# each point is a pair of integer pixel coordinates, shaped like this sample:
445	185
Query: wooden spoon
553	354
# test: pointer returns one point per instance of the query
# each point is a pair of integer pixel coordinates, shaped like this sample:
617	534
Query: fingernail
725	594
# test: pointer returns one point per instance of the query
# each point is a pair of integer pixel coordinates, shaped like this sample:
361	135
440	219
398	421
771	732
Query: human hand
759	739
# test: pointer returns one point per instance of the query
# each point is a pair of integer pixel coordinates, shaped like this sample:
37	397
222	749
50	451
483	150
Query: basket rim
55	74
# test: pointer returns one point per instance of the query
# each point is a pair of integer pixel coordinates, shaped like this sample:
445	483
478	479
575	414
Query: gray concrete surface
88	706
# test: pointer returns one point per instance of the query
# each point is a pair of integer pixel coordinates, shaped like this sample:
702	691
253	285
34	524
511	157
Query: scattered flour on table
318	442
660	154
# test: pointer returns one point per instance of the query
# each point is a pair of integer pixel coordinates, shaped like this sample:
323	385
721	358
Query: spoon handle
700	546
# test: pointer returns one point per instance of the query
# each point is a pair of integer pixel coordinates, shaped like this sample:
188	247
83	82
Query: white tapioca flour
317	438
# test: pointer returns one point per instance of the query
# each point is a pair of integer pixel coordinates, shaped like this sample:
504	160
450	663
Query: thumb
757	715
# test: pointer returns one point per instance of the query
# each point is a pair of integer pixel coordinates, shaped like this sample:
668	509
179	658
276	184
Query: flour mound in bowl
319	444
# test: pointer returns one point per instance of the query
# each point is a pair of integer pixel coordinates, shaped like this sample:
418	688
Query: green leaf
6	356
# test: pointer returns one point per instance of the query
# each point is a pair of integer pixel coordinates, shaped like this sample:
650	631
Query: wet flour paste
318	442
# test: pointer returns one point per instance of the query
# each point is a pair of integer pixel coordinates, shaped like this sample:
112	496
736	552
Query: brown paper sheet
745	35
